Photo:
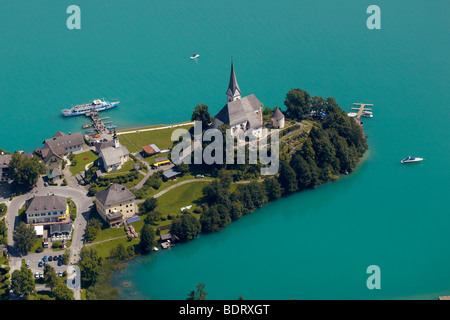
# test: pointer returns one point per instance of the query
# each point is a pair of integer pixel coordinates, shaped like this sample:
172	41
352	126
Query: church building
240	113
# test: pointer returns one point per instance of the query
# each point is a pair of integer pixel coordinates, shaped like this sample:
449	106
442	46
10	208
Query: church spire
116	139
233	92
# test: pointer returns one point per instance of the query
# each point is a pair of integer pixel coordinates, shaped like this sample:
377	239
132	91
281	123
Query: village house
113	157
54	175
115	204
5	159
240	113
161	161
171	174
48	209
150	150
60	145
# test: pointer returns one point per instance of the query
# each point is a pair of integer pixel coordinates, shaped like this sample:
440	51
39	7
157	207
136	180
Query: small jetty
360	111
97	124
98	128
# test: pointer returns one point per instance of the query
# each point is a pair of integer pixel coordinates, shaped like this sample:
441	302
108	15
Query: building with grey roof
61	231
5	159
62	144
115	156
240	113
47	209
115	204
277	118
171	174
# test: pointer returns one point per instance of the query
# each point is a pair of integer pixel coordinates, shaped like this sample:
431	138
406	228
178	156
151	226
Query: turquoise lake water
311	245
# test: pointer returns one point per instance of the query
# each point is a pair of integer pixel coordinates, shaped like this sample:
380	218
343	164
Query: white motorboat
195	56
352	114
367	114
412	160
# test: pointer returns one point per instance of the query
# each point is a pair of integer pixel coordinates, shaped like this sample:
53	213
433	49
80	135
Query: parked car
40	264
41	275
55	258
44	259
60	274
60	262
28	263
50	258
36	275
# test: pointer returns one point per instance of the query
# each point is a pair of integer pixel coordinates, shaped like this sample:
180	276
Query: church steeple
116	139
233	92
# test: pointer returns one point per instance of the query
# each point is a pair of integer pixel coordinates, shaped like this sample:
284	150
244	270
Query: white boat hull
415	160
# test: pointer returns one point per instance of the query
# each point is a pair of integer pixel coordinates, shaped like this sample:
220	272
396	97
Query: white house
114	157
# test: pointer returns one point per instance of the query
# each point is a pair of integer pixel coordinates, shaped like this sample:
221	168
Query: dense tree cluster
25	170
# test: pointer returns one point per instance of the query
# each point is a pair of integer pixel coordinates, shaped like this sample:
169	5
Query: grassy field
81	162
162	138
184	195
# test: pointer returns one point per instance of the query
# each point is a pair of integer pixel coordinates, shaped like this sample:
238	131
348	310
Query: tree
147	238
50	278
199	294
24	237
236	210
298	103
210	219
186	227
22	282
201	114
287	178
3	209
62	292
272	188
90	264
302	171
25	170
150	204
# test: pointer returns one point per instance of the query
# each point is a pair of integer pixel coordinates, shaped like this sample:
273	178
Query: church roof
233	85
241	110
112	156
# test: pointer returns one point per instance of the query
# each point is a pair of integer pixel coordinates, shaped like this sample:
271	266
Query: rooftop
47	203
115	193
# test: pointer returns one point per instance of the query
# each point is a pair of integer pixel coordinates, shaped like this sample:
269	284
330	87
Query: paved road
157	128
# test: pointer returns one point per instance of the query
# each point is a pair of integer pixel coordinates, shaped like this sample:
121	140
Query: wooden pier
361	109
97	123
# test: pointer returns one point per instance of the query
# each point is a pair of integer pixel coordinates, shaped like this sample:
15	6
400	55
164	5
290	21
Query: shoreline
122	263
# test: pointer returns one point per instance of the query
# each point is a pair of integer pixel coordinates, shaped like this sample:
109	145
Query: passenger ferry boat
96	105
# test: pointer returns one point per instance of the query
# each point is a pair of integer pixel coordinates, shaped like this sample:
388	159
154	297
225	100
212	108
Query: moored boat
195	56
95	106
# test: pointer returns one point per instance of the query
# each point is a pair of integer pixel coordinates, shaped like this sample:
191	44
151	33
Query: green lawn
149	191
181	196
81	162
162	138
126	168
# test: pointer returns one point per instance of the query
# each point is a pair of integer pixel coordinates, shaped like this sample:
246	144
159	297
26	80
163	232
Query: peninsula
79	205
